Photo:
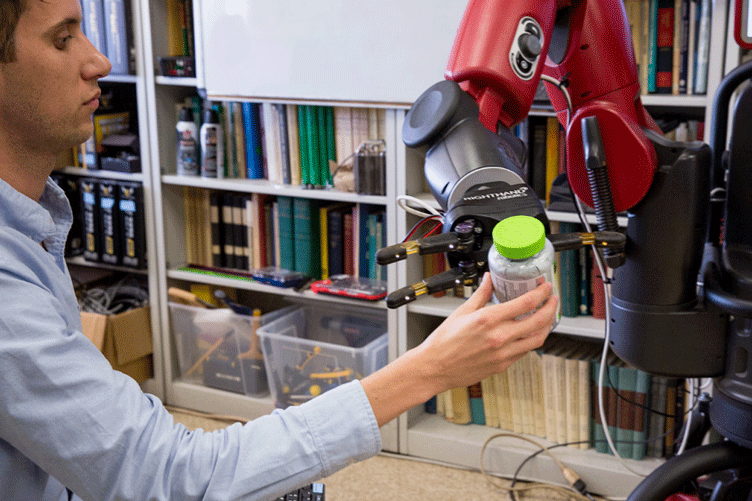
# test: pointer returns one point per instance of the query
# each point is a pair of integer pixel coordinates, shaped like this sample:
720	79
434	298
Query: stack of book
552	393
246	232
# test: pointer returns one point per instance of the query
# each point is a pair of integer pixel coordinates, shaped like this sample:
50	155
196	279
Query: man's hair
10	12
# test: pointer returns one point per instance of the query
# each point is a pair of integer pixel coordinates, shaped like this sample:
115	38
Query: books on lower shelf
552	393
248	231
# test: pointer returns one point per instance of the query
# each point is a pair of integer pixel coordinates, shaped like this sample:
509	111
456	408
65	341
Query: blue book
570	276
117	39
93	23
253	153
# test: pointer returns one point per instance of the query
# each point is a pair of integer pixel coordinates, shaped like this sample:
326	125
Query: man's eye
62	41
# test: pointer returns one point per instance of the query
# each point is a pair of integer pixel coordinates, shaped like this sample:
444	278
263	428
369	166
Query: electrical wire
402	202
569	475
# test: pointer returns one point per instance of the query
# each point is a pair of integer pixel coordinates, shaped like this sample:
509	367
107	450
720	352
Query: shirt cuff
343	426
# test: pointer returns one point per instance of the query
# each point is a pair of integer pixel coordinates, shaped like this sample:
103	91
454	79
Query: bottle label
209	152
506	290
187	158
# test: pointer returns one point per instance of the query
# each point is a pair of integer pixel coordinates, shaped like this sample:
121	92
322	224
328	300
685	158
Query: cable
688	424
402	199
577	486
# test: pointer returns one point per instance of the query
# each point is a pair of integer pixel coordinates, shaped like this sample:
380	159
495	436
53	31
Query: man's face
47	95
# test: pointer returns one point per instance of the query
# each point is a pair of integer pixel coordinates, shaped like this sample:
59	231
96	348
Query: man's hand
474	342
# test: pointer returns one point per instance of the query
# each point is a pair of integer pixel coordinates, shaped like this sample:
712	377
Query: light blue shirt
67	418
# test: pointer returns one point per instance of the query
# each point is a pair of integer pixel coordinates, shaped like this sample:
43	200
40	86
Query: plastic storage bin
216	348
313	349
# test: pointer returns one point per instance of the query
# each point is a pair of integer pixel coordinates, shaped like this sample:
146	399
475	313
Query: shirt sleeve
95	431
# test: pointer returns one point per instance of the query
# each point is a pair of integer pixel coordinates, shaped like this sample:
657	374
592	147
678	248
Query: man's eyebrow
65	22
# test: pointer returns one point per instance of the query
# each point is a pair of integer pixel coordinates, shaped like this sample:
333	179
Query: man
68	421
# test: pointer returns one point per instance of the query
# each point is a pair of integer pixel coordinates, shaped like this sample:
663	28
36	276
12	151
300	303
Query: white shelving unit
79	265
416	433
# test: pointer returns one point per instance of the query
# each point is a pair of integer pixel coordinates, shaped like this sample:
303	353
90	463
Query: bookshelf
416	433
133	84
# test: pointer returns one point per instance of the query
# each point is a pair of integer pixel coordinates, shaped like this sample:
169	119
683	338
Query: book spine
93	23
664	47
117	39
653	47
641	394
254	162
132	225
703	48
477	412
109	222
90	215
293	140
286	234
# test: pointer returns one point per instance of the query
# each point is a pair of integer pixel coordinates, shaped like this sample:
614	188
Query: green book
307	239
570	276
598	432
639	447
331	144
303	145
286	233
626	410
323	164
312	133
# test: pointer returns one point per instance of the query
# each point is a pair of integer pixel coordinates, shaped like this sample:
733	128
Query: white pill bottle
520	259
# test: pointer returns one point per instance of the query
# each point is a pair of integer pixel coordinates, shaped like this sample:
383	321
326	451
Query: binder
132	224
90	215
109	222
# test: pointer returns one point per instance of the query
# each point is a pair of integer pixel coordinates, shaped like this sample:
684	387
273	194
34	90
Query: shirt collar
45	221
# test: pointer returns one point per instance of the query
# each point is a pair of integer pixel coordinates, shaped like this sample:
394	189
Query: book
652	45
489	402
239	233
92	14
501	383
287	236
570	276
109	222
552	154
598	435
91	214
703	47
343	132
460	405
664	62
598	293
538	158
307	244
132	224
240	165
641	394
252	133
657	417
118	35
626	410
333	238
477	411
284	143
293	143
305	171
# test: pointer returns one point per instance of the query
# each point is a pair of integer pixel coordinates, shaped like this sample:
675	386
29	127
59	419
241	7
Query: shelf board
432	437
251	285
684	101
176	81
103	174
204	399
269	188
132	79
80	261
583	326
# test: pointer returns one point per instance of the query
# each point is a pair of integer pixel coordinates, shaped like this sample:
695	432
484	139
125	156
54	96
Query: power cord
577	486
114	299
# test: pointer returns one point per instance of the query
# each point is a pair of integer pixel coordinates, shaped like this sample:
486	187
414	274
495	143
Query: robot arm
616	160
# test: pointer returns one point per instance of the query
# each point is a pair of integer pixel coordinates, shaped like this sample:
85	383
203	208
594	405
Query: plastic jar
520	259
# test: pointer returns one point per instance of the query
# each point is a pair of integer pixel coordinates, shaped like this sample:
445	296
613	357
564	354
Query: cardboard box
124	339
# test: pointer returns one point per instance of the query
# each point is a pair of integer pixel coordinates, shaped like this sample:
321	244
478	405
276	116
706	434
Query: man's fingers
527	302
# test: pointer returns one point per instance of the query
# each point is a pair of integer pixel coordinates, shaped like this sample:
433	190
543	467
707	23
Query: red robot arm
502	49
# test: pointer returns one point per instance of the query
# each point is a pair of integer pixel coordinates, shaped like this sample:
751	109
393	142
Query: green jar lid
519	237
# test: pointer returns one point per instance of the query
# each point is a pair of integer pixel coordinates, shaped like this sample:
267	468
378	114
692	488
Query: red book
599	298
664	62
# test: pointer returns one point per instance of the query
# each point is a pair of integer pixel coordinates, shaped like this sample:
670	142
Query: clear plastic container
521	259
315	348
